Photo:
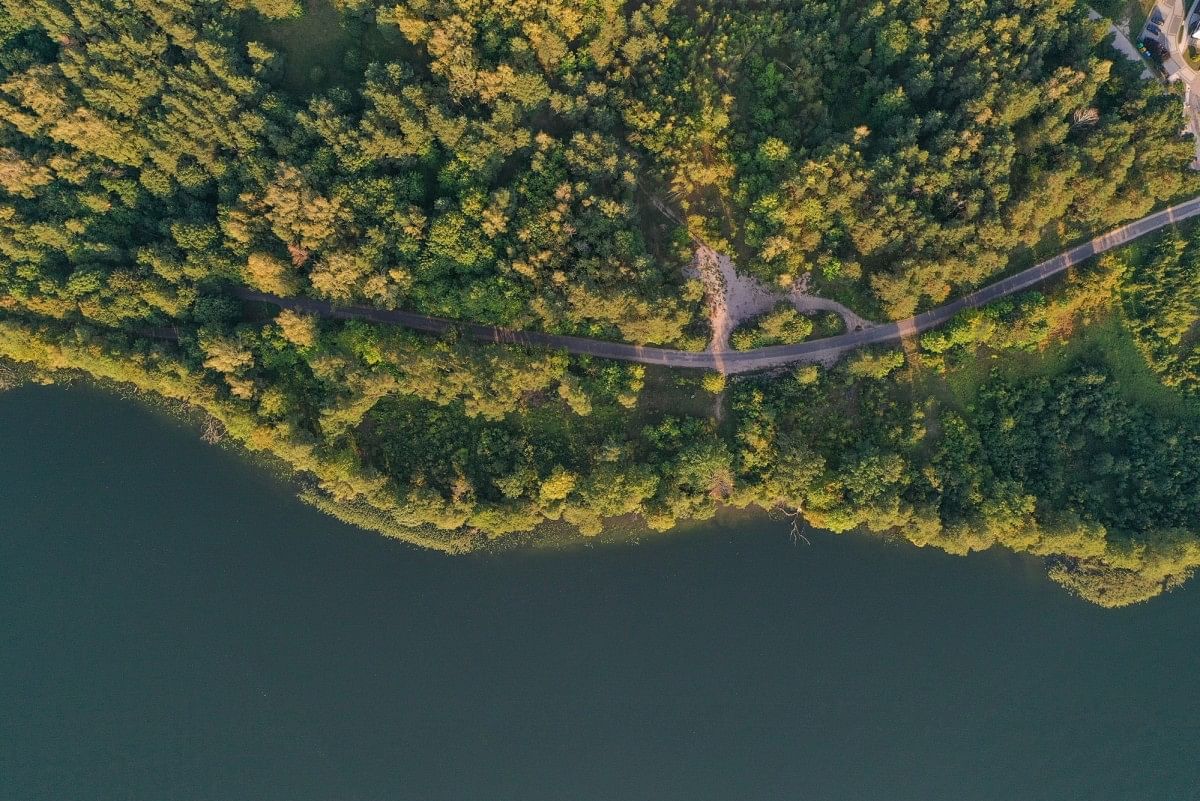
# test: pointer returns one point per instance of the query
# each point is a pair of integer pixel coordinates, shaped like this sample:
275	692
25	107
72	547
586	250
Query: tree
875	365
270	274
299	329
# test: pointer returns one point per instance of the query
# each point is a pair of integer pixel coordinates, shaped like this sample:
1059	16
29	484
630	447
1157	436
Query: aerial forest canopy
551	165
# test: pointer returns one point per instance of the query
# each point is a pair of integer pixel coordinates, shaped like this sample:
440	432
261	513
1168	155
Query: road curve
819	350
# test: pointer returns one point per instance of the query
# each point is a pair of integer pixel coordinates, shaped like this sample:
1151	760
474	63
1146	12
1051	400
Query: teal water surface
175	625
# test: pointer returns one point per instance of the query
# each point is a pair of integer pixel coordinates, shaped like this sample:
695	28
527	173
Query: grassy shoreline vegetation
502	162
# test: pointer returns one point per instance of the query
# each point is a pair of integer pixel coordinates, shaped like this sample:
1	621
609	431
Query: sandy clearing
734	298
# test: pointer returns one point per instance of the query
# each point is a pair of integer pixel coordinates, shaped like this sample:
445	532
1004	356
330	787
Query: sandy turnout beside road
734	299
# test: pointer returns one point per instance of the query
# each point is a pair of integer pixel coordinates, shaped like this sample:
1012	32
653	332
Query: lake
174	624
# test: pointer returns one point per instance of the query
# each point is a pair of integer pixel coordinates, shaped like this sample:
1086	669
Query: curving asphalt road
815	351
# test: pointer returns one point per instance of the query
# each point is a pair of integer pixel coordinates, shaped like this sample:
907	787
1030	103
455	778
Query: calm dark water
174	625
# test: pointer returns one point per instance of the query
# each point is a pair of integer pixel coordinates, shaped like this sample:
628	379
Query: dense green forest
548	165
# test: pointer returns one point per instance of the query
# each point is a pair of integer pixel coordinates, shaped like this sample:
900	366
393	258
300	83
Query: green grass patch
324	48
1103	333
675	392
1106	338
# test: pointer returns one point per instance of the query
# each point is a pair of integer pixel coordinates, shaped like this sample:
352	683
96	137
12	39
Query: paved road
1122	42
815	351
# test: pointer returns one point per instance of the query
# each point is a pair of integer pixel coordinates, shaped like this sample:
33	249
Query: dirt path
807	304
